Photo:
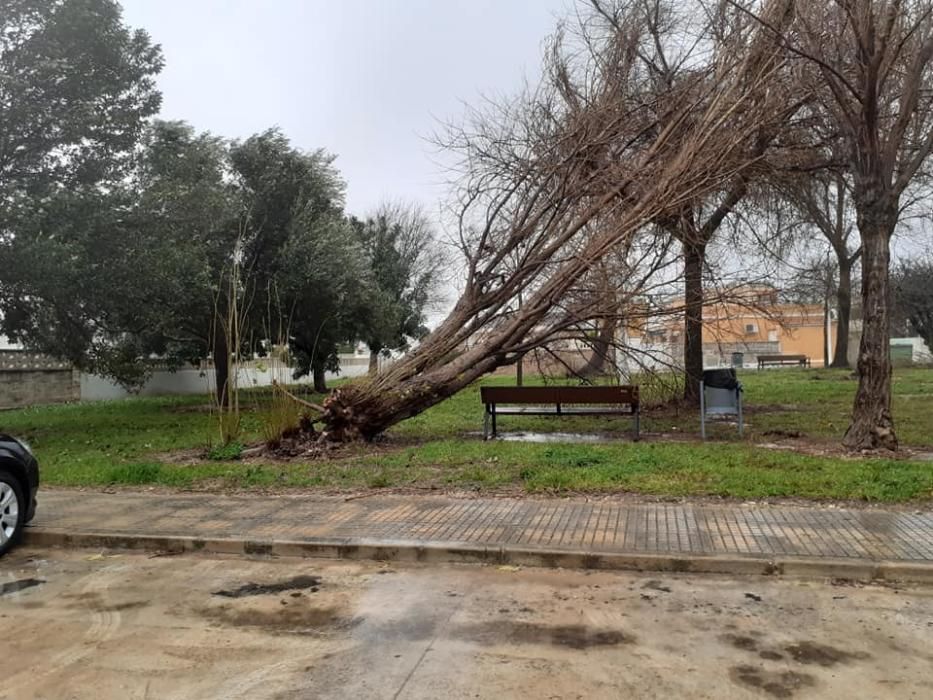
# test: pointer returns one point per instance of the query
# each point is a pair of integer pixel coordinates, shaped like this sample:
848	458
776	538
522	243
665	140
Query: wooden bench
558	401
781	360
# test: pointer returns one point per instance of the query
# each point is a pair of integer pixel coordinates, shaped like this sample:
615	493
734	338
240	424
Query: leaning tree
550	190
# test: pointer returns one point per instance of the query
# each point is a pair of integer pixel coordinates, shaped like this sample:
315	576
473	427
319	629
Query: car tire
12	511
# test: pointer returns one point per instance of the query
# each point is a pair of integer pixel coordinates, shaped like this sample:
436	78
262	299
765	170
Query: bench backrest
560	395
778	358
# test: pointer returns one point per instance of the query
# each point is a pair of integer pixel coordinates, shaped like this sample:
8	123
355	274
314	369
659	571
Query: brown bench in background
558	401
781	360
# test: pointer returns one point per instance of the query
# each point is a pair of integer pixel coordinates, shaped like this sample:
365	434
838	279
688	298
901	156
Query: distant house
750	320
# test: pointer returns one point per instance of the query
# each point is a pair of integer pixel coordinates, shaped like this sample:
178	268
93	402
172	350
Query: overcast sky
364	79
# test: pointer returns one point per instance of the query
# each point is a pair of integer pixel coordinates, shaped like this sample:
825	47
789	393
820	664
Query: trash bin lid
720	378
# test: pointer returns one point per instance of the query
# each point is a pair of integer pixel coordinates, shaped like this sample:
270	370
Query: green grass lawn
136	442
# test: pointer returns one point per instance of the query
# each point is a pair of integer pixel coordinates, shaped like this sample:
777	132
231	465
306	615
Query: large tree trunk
373	363
320	379
221	354
844	311
694	258
872	424
602	348
364	410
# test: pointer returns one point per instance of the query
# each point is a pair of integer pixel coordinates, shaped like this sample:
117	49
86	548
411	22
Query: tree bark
844	311
872	425
221	354
373	363
694	258
602	347
364	411
320	380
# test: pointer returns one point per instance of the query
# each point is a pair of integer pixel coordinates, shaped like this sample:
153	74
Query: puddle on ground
806	653
777	684
822	654
572	636
16	586
291	619
292	584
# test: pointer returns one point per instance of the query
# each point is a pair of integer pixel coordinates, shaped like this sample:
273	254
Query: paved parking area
117	625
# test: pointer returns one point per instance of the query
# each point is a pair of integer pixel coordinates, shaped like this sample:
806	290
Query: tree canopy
405	265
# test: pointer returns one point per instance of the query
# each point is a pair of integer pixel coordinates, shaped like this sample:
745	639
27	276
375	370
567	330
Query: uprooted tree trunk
556	184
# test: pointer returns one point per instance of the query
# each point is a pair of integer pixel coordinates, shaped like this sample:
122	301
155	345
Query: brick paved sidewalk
770	532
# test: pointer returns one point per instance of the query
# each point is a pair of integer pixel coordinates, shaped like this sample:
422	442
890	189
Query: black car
19	482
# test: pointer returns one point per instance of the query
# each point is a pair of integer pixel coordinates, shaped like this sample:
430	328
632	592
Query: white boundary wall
191	380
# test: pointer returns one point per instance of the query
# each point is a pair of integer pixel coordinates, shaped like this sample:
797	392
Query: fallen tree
554	183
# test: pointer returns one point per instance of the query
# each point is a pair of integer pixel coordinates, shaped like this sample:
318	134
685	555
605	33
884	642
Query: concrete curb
862	570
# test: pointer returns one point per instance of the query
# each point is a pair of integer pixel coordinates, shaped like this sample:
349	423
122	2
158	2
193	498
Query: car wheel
12	510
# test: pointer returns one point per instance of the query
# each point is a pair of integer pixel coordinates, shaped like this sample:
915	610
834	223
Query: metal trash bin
720	395
738	359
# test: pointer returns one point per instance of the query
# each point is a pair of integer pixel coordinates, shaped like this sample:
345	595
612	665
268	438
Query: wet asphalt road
84	624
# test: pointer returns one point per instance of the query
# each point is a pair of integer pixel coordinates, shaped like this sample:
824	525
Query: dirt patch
578	637
96	602
194	408
119	607
821	654
783	433
741	642
187	458
296	583
770	408
305	445
656	585
777	684
282	619
21	585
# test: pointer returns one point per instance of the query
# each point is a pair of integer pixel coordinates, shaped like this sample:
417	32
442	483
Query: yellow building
751	320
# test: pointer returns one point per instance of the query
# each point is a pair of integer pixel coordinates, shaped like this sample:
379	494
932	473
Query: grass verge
136	441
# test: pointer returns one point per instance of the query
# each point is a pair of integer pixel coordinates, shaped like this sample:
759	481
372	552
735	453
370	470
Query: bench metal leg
494	433
486	423
741	421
